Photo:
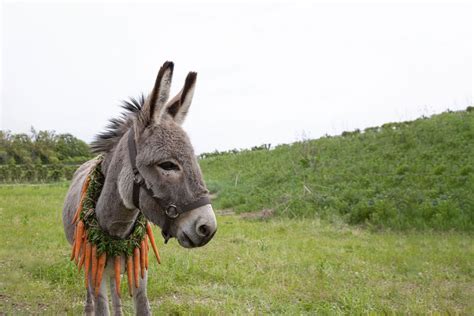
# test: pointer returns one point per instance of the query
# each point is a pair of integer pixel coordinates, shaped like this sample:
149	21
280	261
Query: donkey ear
178	107
154	107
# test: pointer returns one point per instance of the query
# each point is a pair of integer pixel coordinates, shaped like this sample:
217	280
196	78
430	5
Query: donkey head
167	166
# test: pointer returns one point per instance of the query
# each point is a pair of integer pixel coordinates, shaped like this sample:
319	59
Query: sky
268	72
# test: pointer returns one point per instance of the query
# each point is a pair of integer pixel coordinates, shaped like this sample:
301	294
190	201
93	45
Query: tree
42	147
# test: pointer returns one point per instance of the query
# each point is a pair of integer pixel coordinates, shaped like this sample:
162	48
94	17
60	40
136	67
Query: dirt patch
226	212
263	214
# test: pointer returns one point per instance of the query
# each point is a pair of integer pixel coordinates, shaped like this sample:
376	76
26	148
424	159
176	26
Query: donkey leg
102	301
142	306
116	301
89	306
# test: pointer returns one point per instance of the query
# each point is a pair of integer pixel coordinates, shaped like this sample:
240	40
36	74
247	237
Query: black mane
105	141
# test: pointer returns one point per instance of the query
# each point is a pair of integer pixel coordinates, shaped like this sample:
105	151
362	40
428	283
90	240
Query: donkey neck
112	214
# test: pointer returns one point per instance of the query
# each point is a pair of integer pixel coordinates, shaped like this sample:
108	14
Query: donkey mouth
186	242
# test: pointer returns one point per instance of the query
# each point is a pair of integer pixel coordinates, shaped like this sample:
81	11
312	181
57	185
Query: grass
401	176
281	266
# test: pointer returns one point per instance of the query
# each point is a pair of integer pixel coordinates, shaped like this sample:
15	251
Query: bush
36	173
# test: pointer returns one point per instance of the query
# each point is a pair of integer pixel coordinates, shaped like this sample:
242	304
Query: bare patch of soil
263	214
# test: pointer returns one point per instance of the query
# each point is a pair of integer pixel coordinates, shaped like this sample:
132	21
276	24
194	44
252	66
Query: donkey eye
168	165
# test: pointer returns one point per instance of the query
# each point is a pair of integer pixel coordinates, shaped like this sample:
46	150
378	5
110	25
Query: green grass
283	266
401	176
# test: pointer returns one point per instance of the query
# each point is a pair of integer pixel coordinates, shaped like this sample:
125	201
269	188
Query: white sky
268	72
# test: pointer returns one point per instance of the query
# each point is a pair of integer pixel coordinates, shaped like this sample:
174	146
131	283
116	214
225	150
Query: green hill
417	174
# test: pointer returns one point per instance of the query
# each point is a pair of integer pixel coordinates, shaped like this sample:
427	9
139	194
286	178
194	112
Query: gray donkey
149	167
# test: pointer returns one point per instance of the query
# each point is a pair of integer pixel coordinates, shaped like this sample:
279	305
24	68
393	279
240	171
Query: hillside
417	174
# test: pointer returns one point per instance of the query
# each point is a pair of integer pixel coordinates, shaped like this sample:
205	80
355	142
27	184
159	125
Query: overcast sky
268	73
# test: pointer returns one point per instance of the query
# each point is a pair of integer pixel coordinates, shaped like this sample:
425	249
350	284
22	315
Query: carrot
136	265
73	247
78	211
142	258
78	255
76	241
152	241
87	262
79	240
83	256
86	185
100	272
130	274
146	252
117	274
83	194
93	264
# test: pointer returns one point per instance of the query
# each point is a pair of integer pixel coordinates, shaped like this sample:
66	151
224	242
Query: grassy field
283	266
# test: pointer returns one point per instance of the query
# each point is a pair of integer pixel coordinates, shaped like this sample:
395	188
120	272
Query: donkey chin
196	228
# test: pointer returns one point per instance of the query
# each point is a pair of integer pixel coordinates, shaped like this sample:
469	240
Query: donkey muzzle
196	227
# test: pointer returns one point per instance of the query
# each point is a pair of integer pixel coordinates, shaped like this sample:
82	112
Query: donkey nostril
203	230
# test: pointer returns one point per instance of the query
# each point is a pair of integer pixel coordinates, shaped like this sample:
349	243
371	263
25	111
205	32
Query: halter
172	210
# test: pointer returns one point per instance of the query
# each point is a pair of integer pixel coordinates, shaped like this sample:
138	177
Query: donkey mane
106	141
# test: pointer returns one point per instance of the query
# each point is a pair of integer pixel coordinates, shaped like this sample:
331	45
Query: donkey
150	167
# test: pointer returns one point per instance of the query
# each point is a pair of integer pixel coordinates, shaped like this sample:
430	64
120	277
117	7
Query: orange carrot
93	264
87	262
117	274
76	242
136	265
100	272
83	194
142	258
152	241
130	274
83	256
73	247
78	254
146	252
78	211
86	185
79	232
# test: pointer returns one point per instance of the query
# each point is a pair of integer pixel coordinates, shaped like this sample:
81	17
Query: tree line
40	156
